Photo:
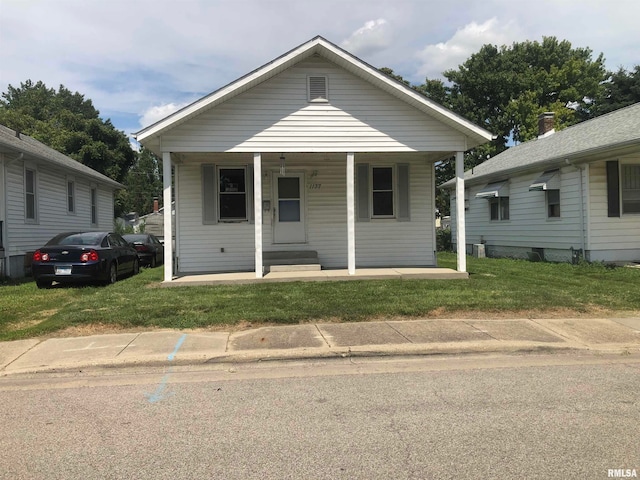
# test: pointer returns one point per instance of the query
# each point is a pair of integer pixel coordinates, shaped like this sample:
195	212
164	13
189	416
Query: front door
289	208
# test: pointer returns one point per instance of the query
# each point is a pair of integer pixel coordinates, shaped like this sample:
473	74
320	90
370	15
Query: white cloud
439	57
375	35
128	55
157	113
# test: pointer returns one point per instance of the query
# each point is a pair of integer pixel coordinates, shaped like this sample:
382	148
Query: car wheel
154	263
113	274
136	266
43	284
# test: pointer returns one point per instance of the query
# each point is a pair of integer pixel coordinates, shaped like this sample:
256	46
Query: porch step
291	261
314	267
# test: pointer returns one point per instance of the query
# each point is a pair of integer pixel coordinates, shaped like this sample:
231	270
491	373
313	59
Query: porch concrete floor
429	273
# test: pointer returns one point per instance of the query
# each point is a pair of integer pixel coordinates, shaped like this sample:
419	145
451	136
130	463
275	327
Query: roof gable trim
317	45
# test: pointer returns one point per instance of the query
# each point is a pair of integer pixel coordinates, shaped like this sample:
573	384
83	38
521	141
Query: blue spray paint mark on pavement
161	393
178	345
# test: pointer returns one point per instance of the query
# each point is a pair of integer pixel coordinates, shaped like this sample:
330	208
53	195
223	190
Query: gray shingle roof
10	141
577	143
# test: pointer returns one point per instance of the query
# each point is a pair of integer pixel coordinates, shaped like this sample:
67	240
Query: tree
621	89
505	89
143	183
67	122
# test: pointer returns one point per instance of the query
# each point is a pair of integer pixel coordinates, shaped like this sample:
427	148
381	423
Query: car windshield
135	238
89	238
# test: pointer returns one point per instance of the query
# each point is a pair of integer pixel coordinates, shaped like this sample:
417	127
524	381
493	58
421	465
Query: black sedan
150	250
84	257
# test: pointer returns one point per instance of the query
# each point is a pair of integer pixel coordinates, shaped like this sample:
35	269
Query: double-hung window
30	199
497	193
553	203
71	196
499	208
382	192
630	188
94	206
232	194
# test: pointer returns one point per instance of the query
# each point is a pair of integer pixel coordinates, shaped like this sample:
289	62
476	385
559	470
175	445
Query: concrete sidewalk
321	340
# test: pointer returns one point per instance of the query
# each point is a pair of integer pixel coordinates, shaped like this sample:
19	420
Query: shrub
443	240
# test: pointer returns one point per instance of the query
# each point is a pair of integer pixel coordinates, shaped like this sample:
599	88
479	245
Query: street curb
259	356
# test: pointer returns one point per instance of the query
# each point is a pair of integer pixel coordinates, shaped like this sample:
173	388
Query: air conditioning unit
478	250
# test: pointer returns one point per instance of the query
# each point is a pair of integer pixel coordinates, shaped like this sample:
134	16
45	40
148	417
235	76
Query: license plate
63	270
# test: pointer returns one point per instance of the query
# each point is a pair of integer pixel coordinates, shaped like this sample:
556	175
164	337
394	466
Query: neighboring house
568	194
43	193
154	222
315	151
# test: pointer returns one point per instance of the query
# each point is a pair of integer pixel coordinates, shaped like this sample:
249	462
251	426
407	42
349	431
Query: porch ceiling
200	157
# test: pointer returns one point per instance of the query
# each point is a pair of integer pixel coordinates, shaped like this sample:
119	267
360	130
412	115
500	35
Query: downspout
581	169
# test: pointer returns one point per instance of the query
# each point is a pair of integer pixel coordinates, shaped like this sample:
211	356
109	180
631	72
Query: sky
140	60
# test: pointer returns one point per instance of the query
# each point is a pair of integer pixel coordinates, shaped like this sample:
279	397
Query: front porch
237	278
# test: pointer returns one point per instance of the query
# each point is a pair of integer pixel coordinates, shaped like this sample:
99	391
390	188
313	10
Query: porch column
168	217
257	210
351	214
461	237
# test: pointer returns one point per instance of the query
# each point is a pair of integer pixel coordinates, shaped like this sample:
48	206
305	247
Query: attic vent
318	89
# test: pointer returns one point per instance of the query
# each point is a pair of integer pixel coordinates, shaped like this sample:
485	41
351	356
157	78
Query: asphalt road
477	417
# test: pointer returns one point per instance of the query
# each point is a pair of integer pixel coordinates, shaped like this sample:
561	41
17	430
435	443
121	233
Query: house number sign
314	186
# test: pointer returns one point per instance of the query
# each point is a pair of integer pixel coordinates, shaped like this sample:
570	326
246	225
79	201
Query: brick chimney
545	124
155	204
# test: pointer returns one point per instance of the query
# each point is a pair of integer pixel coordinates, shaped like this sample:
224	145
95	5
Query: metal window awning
549	180
493	190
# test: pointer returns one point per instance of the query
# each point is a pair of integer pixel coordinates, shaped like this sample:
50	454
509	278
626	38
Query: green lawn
495	286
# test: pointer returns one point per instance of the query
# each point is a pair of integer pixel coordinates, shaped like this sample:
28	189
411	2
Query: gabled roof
322	47
613	134
13	142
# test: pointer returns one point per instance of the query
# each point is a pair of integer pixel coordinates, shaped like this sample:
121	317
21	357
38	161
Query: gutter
583	234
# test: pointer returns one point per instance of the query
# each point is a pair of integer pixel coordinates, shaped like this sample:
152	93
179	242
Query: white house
315	153
566	194
43	193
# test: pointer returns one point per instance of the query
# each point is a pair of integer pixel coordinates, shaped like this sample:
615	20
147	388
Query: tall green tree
68	123
621	89
504	89
144	183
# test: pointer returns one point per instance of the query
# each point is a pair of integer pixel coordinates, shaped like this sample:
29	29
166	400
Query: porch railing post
461	238
351	214
168	220
257	207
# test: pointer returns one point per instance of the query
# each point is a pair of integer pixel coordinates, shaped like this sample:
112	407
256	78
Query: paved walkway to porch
318	276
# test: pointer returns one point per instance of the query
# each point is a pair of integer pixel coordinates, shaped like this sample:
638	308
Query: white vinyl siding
608	234
528	225
230	247
52	214
276	116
